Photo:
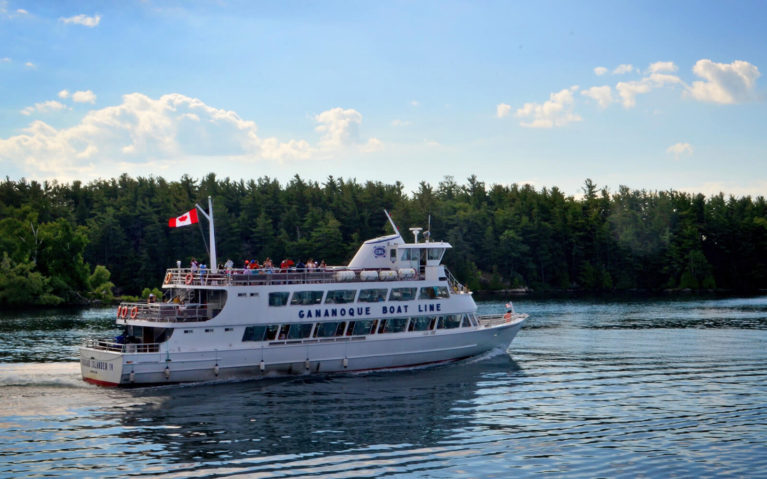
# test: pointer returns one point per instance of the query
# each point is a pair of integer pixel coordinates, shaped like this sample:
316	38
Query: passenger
284	265
310	264
194	265
300	266
151	298
322	265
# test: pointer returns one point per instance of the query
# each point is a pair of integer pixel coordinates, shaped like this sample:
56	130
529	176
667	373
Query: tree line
78	243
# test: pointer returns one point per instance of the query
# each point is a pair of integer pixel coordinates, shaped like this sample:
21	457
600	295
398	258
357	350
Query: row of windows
356	328
373	295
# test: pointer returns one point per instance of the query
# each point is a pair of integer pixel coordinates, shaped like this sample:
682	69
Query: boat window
254	333
420	323
278	299
393	255
410	254
271	332
363	327
436	253
394	325
327	330
341	296
300	330
434	292
372	295
402	294
306	297
450	321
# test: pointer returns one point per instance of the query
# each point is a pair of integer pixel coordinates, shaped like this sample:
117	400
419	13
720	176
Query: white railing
111	345
255	277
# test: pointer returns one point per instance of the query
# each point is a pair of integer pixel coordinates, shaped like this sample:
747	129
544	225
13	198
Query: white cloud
340	128
30	65
401	123
629	90
64	94
557	111
502	110
86	96
415	103
21	11
166	135
43	107
5	60
662	67
82	19
599	71
623	69
603	95
680	149
724	83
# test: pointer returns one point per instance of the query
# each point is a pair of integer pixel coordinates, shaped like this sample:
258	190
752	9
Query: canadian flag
188	218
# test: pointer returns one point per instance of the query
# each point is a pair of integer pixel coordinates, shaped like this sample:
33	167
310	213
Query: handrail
260	277
165	312
109	345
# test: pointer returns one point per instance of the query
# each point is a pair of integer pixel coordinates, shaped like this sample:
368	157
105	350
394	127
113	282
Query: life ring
133	312
188	278
119	309
124	312
168	278
507	317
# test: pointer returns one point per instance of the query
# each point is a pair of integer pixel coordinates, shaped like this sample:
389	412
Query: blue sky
653	95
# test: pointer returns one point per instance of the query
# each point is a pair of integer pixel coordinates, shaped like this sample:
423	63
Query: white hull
311	356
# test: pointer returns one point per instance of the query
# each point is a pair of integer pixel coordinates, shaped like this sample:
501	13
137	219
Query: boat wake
64	374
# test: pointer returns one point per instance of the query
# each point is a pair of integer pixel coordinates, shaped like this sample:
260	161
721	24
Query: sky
653	95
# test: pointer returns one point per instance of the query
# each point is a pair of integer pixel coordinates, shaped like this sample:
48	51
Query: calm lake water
653	388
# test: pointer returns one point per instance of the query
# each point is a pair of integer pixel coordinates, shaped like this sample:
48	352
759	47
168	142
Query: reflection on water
592	388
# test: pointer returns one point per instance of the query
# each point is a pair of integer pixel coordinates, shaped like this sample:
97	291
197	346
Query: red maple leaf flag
188	218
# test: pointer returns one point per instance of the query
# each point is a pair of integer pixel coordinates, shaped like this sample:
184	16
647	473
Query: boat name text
365	311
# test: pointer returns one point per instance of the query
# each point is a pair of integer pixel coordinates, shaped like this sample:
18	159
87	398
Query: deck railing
166	312
258	277
111	345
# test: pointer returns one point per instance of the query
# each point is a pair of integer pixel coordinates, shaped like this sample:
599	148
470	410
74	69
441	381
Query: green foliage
502	235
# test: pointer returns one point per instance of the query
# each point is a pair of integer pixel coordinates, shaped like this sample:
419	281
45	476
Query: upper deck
185	277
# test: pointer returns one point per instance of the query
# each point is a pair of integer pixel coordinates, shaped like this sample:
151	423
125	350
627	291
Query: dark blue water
653	388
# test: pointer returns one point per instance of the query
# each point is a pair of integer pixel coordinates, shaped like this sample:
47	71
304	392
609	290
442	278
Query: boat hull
285	358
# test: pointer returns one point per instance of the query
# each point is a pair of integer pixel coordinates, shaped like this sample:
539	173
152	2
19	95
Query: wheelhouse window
254	333
402	294
306	297
278	299
341	296
434	292
410	254
435	253
372	295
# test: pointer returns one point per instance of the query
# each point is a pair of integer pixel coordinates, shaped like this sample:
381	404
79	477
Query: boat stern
102	367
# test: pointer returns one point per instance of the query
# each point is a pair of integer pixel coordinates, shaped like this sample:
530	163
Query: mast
211	233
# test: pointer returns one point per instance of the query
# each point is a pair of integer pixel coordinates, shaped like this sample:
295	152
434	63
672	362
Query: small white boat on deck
393	306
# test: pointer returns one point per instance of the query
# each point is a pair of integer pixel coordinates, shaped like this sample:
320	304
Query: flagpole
213	263
212	234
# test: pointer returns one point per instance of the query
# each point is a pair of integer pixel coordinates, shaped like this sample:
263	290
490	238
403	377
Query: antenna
427	234
415	232
391	221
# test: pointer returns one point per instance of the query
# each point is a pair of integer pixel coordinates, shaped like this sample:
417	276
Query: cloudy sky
653	94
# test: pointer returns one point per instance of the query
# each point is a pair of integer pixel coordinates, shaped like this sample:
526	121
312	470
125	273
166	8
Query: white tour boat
393	306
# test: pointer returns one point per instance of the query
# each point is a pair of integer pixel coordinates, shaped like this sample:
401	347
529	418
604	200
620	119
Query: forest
70	244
